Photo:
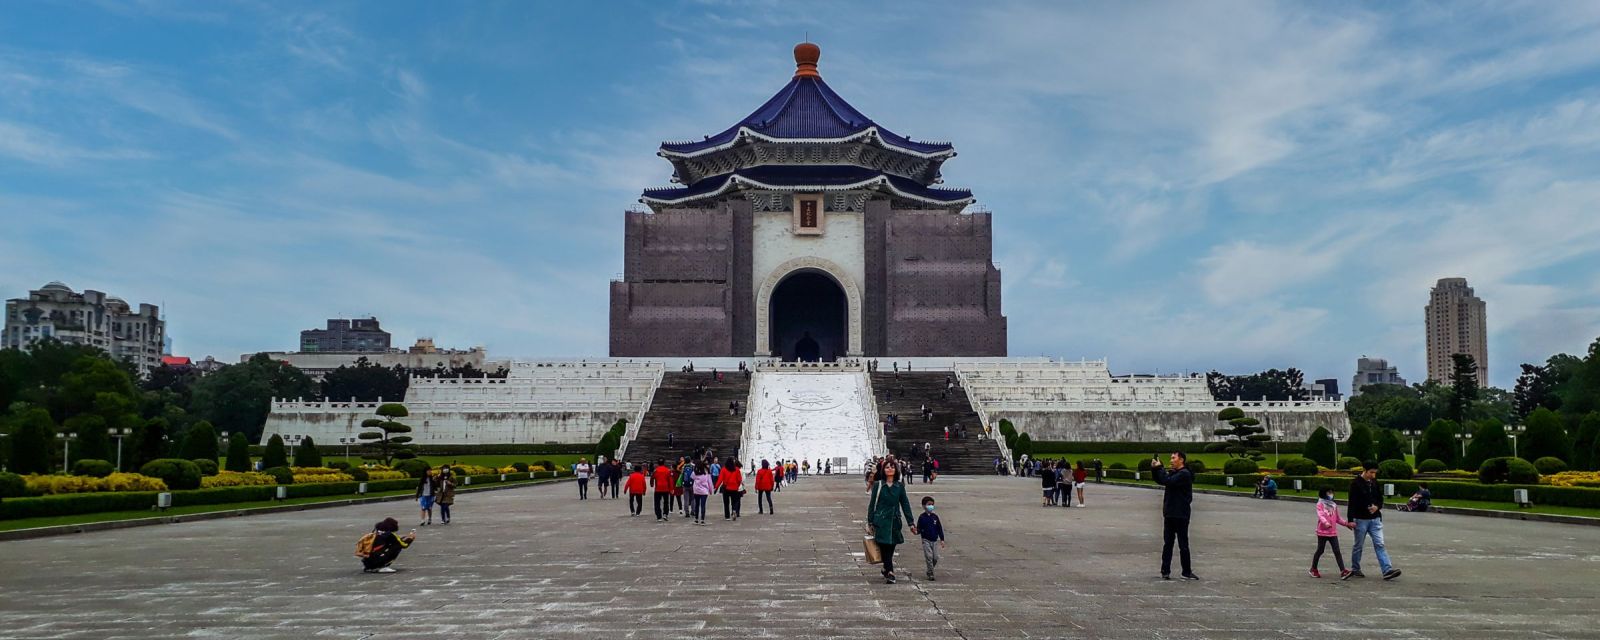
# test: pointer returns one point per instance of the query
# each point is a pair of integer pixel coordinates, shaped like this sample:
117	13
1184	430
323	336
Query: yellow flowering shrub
54	484
1572	479
469	470
315	478
314	471
236	479
385	474
537	468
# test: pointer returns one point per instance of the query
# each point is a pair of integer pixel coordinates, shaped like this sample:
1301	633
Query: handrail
994	429
632	430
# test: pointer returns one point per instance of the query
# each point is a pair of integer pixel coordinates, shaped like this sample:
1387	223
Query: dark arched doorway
810	318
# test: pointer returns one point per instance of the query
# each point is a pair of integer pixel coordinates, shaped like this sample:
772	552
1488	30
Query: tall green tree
1271	384
1242	438
1583	445
1319	448
238	453
91	441
365	382
1359	444
200	442
1489	440
1536	387
1544	434
239	397
1390	447
276	455
307	455
388	432
33	441
1439	442
1463	387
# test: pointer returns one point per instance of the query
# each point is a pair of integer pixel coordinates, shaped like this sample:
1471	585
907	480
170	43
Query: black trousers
1175	528
583	488
663	504
636	503
380	559
767	496
888	557
1327	541
616	485
730	503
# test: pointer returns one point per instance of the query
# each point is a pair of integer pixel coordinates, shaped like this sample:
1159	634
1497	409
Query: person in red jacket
636	488
731	483
764	488
663	481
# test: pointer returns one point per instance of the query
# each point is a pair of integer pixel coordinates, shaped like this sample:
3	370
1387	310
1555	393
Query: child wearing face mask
1328	523
932	531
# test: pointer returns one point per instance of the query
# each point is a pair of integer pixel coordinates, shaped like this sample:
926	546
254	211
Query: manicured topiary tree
208	467
1359	444
178	474
1299	467
281	475
1489	440
307	455
238	453
387	432
1584	445
414	467
1508	469
1394	470
1319	447
1389	445
31	442
1024	445
1548	466
1243	436
1432	466
1544	435
200	442
276	454
92	468
1347	463
12	485
1237	466
1439	442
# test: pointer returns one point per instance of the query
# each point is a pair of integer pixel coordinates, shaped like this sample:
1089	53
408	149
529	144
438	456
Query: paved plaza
536	563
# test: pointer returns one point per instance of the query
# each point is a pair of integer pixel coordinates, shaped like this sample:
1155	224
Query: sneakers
1344	574
1191	576
1166	576
888	577
1391	574
385	570
931	578
1314	573
1354	573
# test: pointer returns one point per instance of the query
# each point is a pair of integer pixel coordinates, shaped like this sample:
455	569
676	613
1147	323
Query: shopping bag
874	554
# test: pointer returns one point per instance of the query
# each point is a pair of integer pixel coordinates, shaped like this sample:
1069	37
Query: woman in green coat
888	501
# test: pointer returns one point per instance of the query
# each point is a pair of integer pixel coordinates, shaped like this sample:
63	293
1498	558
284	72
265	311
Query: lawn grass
496	461
1213	461
1460	504
110	516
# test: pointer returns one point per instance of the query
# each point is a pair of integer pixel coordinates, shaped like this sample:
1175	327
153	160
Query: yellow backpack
364	545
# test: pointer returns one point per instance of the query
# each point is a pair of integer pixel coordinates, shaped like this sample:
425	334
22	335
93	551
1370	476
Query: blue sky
1175	185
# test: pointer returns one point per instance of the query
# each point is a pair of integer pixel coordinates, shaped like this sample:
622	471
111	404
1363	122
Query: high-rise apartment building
361	335
90	318
1456	324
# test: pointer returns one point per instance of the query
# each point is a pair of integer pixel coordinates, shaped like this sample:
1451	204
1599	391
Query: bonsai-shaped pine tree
307	455
1243	436
384	431
238	453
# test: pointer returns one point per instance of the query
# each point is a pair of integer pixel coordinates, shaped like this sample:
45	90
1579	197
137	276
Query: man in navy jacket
1179	483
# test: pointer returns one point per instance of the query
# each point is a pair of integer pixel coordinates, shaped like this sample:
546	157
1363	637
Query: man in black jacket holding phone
1179	483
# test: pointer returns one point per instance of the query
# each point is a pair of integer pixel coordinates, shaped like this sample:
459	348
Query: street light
1513	437
1463	437
346	442
292	441
1277	436
119	433
66	448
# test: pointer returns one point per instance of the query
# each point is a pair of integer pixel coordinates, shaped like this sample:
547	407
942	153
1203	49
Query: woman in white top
582	471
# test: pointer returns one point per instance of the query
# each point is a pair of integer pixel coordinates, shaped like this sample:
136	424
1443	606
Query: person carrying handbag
884	510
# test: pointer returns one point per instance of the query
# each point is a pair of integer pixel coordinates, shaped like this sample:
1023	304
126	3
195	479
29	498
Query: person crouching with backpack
383	547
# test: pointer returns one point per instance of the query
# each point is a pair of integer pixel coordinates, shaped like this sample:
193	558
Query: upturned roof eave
734	180
872	132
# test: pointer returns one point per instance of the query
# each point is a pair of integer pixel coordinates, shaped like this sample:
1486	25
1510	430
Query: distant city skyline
1176	186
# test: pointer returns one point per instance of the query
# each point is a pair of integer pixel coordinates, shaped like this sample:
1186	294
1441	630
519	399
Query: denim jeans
1374	528
698	507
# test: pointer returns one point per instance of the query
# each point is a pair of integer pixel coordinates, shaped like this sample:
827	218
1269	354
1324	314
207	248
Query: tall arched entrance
809	318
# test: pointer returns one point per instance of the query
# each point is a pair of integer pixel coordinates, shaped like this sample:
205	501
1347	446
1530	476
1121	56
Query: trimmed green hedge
1048	447
457	449
82	503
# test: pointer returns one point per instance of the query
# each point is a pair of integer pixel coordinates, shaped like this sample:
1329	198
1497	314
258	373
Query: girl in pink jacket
1328	522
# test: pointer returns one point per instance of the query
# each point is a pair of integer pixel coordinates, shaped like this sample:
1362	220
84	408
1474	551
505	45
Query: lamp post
1513	437
1463	437
66	449
1277	436
292	441
346	442
119	433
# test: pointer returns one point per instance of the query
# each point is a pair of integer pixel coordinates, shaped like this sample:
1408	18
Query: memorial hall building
807	231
